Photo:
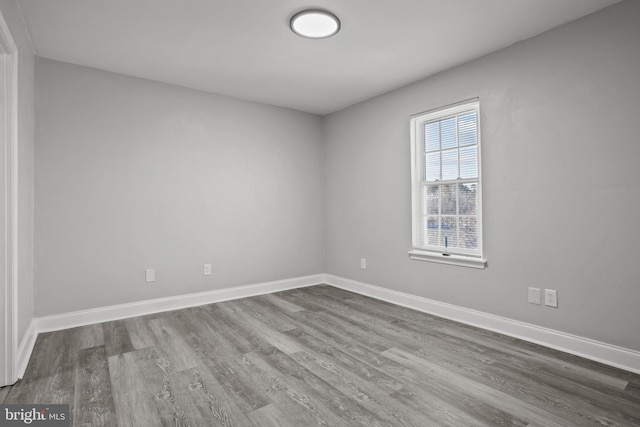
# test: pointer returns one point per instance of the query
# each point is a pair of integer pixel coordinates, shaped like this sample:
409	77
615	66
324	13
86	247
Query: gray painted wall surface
561	181
134	174
14	20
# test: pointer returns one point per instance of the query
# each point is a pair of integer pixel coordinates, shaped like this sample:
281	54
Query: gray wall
133	174
13	17
561	181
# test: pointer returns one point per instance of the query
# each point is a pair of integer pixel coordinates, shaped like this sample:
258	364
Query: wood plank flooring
316	356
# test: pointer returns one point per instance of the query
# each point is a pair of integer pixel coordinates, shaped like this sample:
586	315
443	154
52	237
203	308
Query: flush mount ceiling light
315	24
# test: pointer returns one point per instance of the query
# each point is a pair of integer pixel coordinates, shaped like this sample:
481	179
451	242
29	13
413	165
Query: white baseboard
590	349
608	354
140	308
25	348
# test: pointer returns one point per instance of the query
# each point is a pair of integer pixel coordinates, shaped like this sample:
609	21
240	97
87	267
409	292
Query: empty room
333	213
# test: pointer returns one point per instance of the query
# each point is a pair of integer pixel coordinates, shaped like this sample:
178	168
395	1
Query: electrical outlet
207	270
363	263
551	298
150	275
534	296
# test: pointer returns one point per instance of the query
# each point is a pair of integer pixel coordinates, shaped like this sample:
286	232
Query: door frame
9	204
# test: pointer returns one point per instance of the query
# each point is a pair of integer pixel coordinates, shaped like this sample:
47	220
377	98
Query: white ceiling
244	48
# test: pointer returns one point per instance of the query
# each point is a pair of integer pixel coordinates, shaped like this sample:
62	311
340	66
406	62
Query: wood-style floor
316	356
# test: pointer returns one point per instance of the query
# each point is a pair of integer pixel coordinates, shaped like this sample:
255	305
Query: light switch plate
534	296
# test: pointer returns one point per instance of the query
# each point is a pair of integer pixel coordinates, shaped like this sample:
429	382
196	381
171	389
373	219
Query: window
446	186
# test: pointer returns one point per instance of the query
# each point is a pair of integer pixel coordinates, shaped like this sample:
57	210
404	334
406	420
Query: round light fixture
315	24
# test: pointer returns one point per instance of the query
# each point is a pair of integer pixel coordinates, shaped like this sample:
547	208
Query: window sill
439	257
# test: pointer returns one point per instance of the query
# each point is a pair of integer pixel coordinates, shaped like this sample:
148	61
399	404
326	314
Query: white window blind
446	179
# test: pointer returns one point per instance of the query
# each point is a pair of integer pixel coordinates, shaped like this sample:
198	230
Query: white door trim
9	144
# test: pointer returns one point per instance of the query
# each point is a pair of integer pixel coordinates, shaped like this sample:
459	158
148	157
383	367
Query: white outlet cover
551	298
363	263
534	296
207	270
150	275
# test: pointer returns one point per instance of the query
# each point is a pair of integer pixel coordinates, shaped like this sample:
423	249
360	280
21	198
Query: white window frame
436	253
